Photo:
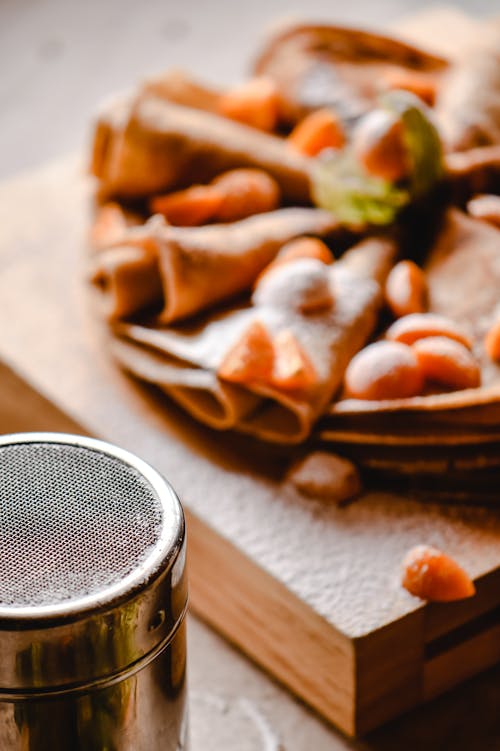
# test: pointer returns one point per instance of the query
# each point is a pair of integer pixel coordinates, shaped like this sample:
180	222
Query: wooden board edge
272	626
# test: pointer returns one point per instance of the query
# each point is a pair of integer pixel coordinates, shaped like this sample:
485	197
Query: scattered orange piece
300	247
190	207
432	575
255	103
421	84
320	130
383	370
245	192
378	143
416	326
447	362
492	341
251	358
292	368
406	289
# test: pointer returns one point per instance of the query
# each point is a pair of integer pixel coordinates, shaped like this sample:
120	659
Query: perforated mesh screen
73	521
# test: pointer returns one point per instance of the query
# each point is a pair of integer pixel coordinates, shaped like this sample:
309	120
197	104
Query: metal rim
162	555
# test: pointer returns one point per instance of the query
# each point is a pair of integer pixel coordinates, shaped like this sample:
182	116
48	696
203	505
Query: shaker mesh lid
80	522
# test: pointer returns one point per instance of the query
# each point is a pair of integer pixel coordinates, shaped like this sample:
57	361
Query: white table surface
58	60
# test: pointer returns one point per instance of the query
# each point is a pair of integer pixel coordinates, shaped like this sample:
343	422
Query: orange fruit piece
245	192
320	130
421	84
383	370
406	289
378	143
255	103
251	358
492	341
190	207
410	328
292	368
301	247
432	575
447	362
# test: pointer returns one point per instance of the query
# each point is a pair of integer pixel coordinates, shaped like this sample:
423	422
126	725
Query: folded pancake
327	337
187	269
468	107
331	66
177	86
154	145
463	274
473	171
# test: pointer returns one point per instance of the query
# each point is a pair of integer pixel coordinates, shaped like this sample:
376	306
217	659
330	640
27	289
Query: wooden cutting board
310	592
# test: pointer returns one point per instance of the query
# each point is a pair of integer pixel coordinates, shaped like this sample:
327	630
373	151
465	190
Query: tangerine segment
492	341
410	328
406	289
383	370
320	130
245	192
251	358
254	103
447	362
432	575
292	368
190	207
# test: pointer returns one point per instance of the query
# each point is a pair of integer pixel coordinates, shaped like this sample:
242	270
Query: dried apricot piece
410	328
251	358
432	575
255	103
320	130
447	362
492	341
406	289
379	145
383	370
245	192
292	368
190	207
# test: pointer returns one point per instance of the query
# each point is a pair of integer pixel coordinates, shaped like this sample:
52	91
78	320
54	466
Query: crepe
468	108
151	145
184	361
463	273
184	270
330	66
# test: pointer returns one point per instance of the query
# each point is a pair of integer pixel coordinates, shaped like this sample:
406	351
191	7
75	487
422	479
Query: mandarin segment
420	84
447	362
410	328
383	370
251	358
245	192
320	130
254	103
300	247
432	575
293	371
492	341
190	207
406	289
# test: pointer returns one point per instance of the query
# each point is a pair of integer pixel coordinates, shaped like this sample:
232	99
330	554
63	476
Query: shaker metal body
92	632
